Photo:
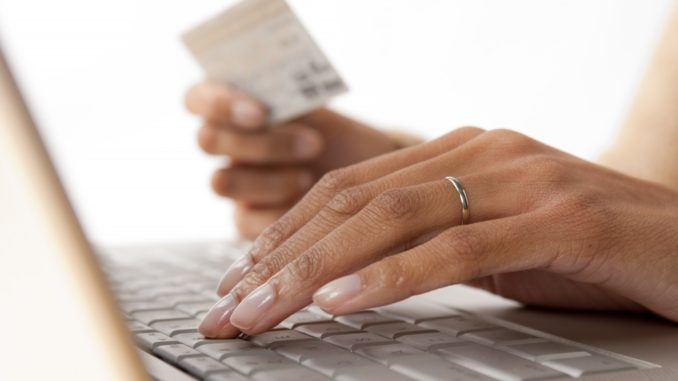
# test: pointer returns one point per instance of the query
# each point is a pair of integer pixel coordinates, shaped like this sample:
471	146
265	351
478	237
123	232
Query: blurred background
106	82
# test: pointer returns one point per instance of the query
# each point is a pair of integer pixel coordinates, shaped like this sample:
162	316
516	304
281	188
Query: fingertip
216	323
247	113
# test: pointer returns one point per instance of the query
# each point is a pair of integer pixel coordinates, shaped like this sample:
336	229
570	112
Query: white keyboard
164	299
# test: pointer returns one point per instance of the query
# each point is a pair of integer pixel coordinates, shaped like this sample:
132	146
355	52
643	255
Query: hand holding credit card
261	48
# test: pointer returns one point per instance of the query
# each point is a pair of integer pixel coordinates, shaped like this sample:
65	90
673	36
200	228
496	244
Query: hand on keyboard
545	228
410	340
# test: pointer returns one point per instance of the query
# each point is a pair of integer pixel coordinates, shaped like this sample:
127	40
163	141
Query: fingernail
307	145
246	113
234	274
218	317
253	306
338	291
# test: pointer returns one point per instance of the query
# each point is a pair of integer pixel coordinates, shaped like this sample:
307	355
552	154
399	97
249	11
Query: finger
336	181
393	218
262	186
218	103
290	143
457	255
250	222
344	205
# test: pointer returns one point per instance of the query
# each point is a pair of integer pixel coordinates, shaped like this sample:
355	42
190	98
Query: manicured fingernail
217	317
246	113
307	145
234	274
338	291
253	306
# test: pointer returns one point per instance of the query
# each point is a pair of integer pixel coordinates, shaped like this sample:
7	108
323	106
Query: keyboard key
497	364
129	297
429	341
274	338
373	372
545	351
322	330
330	365
581	366
132	307
221	350
136	327
194	339
248	364
457	325
304	350
202	366
415	312
150	340
150	317
173	327
386	354
226	376
289	374
195	308
201	315
175	299
302	317
157	292
395	330
500	336
360	320
175	352
435	370
354	341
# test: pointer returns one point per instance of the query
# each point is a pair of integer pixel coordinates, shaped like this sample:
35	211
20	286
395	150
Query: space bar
160	370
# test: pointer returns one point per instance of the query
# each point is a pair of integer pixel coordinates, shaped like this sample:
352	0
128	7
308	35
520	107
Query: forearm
647	145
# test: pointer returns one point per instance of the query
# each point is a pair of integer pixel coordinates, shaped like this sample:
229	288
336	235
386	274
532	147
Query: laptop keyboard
164	300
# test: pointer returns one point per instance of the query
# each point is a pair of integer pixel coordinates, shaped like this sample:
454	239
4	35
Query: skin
546	228
271	167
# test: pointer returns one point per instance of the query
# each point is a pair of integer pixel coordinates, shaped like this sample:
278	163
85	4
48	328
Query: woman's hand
546	228
271	168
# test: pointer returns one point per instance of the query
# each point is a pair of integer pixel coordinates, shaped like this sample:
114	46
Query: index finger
218	103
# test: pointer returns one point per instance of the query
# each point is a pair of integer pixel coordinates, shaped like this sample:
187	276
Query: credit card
261	48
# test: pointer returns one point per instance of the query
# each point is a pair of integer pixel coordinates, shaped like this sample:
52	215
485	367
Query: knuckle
469	130
271	237
548	168
392	275
306	266
334	182
393	204
348	201
261	272
465	246
509	141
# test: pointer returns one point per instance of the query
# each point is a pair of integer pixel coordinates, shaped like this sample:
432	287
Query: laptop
72	310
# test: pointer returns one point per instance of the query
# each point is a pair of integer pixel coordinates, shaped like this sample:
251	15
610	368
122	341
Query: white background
106	81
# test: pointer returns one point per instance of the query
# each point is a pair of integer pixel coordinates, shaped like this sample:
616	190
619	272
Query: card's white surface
261	48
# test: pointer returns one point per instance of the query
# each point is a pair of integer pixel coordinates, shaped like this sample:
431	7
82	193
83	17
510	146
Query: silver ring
465	214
